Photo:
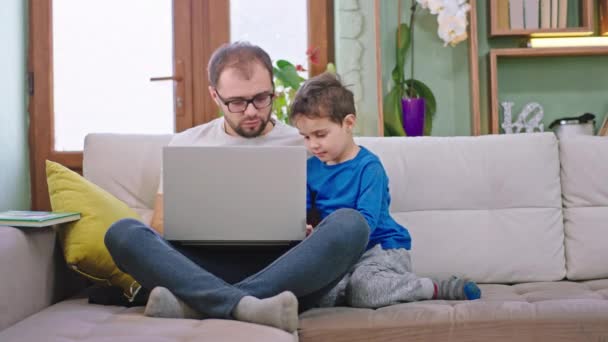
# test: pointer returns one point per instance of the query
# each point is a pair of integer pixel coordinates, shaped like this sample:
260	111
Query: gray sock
280	311
163	303
457	289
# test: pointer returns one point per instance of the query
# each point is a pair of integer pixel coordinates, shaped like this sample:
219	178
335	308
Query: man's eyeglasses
239	105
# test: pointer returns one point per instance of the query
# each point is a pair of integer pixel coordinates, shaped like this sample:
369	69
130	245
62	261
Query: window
104	53
92	73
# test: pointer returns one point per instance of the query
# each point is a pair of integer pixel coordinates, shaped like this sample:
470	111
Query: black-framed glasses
239	105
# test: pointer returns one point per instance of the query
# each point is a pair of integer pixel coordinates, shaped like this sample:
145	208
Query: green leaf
403	42
287	74
393	124
278	104
422	90
281	63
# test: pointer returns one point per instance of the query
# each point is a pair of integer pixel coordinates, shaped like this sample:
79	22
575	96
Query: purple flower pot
413	116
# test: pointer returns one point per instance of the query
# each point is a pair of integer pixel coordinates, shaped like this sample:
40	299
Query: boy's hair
323	96
239	55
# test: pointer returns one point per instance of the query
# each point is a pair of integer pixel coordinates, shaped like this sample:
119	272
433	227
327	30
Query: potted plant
410	106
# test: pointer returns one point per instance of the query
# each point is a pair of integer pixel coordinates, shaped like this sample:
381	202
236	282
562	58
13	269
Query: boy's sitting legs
383	277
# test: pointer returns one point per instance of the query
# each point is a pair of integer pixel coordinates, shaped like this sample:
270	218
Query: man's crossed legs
308	271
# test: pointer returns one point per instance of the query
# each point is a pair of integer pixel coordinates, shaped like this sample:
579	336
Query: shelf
585	29
495	54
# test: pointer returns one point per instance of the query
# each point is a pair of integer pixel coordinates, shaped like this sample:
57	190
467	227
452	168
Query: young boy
341	174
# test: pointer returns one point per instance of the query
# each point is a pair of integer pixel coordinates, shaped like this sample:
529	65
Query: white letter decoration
534	123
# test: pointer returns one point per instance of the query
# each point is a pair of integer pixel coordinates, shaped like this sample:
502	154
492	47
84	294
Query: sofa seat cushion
76	320
527	311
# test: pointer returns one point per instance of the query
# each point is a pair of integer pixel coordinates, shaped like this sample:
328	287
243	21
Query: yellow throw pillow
83	240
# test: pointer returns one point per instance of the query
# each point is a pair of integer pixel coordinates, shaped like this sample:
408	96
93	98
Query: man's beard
250	134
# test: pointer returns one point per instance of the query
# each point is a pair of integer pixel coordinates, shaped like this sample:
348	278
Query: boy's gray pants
380	278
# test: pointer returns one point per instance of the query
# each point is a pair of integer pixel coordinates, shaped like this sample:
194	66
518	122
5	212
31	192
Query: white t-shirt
213	133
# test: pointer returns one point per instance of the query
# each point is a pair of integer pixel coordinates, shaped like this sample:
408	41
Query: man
203	283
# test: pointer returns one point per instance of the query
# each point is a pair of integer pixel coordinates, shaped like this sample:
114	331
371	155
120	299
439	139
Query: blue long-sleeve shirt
362	184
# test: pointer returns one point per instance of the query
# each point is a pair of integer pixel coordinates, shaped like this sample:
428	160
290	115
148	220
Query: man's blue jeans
309	269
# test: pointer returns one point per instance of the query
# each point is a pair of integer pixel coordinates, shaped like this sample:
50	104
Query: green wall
14	168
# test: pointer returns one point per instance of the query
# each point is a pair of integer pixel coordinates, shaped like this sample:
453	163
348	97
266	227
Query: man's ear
213	95
350	121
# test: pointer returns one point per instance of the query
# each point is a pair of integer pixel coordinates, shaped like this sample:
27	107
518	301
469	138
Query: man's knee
121	232
351	225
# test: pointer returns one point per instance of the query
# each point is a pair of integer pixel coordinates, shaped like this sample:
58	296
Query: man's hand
157	216
309	229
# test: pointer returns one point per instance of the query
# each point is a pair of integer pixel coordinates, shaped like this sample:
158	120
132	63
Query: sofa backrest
127	166
486	207
584	177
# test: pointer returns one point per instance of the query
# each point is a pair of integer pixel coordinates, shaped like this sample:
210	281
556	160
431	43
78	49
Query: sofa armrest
27	272
33	274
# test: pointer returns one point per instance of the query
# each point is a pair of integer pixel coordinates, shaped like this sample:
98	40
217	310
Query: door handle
178	88
166	78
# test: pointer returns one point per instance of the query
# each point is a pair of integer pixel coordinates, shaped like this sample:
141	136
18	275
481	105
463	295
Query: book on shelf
531	14
516	14
554	12
562	19
24	218
503	15
545	14
574	19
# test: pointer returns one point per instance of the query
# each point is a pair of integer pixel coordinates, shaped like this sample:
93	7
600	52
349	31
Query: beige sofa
525	215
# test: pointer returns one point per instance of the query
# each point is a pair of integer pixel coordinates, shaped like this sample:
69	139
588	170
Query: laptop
234	195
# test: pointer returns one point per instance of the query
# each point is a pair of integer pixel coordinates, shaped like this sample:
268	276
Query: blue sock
456	288
472	291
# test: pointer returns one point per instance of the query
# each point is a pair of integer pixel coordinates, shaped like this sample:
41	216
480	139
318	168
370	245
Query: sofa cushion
523	312
127	166
584	177
83	240
488	207
75	320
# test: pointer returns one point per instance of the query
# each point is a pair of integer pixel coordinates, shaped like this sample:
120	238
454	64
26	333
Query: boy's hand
308	229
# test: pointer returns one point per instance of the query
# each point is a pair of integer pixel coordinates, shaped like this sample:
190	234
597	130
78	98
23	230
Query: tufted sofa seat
569	311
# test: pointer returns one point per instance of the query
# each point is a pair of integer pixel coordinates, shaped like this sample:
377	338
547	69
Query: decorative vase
413	116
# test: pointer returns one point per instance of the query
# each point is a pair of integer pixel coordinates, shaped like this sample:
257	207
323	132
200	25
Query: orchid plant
452	29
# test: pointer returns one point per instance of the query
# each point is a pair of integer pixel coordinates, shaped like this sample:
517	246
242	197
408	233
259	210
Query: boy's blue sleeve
371	191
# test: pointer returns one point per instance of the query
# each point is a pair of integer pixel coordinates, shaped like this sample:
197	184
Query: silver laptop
229	195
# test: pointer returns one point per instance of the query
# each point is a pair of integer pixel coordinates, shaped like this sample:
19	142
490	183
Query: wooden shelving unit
495	54
585	29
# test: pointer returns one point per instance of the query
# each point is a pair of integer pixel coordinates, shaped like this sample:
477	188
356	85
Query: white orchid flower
436	6
452	28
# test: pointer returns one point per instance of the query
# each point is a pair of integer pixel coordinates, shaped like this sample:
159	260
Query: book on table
24	218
